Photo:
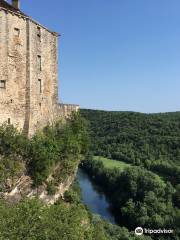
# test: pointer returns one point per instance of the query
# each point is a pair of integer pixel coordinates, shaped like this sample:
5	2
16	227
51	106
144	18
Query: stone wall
65	110
12	69
43	82
29	65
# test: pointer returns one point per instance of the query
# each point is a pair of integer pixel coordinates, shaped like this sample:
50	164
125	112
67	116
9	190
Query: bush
51	188
56	149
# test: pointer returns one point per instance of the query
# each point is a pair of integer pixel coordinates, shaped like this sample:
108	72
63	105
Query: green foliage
51	188
72	197
31	220
60	145
148	195
56	149
101	229
106	230
10	168
110	163
177	196
12	141
138	197
148	140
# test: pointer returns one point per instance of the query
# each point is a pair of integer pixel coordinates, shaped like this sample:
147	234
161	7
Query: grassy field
110	163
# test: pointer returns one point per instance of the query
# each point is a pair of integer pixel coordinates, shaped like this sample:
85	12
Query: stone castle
28	72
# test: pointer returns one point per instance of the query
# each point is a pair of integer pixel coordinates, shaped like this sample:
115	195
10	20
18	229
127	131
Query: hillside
148	140
34	176
144	187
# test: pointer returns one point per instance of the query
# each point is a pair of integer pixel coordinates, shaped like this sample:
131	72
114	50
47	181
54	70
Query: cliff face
43	166
23	187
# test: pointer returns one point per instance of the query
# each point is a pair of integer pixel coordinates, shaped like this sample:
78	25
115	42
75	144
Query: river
93	197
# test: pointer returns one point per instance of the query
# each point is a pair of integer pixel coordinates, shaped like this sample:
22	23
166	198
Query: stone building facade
28	72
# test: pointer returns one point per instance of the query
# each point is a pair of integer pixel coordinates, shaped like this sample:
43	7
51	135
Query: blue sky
115	54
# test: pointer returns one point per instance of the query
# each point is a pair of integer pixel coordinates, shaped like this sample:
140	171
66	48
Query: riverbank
137	196
85	191
93	197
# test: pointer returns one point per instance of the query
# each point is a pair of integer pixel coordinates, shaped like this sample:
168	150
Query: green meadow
110	163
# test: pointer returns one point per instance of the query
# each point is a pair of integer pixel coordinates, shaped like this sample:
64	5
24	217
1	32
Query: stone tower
28	71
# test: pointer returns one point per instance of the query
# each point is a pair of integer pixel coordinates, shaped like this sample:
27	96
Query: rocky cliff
43	166
23	187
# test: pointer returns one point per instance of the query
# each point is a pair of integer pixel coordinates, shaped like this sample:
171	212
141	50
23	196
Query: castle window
2	84
9	121
39	63
16	32
39	33
40	85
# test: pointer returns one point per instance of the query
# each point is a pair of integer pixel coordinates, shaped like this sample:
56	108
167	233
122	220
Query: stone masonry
28	72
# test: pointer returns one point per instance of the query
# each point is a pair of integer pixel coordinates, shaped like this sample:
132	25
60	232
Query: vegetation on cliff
143	190
31	219
58	150
68	219
53	152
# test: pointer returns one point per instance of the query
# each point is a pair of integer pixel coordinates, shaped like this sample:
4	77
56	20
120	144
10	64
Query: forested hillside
56	152
149	140
144	188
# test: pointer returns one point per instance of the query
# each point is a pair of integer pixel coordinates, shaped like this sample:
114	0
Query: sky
115	54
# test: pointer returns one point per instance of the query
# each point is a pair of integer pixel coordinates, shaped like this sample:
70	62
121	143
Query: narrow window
40	85
39	33
9	121
2	84
39	63
16	32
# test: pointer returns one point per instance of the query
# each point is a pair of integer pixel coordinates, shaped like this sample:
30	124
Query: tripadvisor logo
139	231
